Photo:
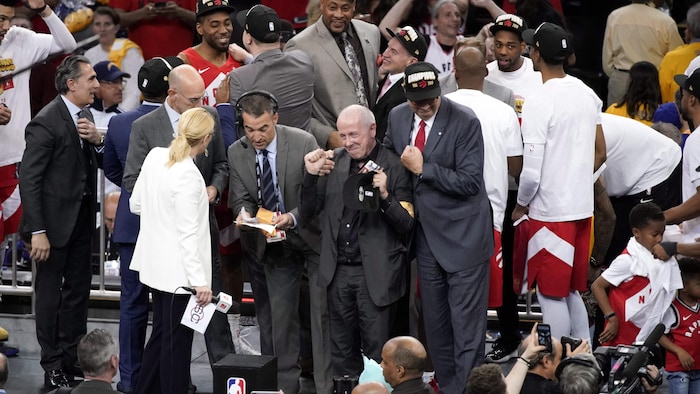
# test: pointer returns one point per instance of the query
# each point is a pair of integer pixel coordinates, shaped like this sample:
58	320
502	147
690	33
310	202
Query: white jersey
19	49
523	81
438	57
691	179
638	157
502	139
131	64
561	116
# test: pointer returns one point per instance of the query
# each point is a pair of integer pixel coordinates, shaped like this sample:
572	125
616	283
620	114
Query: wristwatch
594	263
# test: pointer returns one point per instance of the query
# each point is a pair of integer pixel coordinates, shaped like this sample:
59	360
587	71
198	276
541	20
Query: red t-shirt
685	333
159	36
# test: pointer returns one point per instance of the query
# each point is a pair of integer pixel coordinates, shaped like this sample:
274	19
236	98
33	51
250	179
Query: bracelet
525	361
37	10
610	315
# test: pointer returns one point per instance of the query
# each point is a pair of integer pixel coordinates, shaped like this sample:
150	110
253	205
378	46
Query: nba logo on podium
235	386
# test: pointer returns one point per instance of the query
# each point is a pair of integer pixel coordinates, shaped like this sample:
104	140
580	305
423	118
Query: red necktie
420	137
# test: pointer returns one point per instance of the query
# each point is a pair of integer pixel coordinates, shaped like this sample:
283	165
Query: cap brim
240	17
529	36
391	32
424	94
496	28
228	8
680	79
351	193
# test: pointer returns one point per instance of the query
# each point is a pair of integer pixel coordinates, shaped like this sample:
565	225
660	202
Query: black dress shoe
55	378
73	372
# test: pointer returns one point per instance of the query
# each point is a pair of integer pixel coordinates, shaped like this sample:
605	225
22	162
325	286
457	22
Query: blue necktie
268	185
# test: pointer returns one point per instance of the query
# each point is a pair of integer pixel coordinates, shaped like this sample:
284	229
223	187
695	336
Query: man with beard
514	71
210	57
689	210
511	69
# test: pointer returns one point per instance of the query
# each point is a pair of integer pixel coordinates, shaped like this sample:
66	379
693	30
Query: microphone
222	301
629	374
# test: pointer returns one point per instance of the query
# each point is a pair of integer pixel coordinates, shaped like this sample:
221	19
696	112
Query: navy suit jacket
126	224
452	208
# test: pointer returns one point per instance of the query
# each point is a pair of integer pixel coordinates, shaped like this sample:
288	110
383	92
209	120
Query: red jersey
158	36
211	73
627	299
684	332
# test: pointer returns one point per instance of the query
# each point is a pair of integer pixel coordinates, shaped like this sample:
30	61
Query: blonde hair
194	125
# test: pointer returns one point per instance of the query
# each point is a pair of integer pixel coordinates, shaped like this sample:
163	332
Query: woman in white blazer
173	249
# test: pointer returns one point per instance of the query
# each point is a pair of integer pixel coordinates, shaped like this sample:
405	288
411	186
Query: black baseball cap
413	41
509	22
421	81
552	41
206	6
359	194
261	22
691	82
153	75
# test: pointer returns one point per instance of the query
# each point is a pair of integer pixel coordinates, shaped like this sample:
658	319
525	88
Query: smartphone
159	4
544	336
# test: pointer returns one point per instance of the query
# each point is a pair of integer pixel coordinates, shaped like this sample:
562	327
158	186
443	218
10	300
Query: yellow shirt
675	62
622	111
638	32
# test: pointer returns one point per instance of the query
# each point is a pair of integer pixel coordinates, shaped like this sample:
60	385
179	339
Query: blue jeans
687	382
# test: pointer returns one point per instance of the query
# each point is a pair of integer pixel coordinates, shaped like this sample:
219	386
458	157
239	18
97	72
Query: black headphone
238	109
580	361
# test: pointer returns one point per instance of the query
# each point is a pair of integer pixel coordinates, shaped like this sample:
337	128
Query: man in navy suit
440	142
133	314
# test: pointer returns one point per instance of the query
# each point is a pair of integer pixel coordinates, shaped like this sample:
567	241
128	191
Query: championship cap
261	22
108	71
509	22
413	41
359	194
153	75
552	41
690	83
206	6
421	81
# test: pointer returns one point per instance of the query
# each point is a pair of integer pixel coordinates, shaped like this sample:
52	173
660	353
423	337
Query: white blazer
174	245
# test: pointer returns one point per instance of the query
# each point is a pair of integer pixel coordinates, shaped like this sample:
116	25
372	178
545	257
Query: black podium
249	373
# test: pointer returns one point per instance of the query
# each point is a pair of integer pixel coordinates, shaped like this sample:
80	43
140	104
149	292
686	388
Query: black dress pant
62	290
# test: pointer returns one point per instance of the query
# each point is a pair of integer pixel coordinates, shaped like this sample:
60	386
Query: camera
573	342
345	384
612	360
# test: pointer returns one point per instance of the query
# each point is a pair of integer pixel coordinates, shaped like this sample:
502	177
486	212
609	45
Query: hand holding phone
544	336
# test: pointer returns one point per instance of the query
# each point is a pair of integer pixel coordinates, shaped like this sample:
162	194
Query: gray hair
363	114
693	20
257	103
95	351
669	130
439	4
68	69
580	379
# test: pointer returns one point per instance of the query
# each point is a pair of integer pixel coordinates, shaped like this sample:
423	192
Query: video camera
624	366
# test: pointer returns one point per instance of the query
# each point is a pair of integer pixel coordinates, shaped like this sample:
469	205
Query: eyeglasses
117	82
424	102
193	100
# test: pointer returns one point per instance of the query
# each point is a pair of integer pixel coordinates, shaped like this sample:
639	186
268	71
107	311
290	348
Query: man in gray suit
440	142
289	76
157	129
336	84
267	166
363	252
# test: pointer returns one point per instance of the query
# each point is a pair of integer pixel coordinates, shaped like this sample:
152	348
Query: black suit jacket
382	235
53	174
393	97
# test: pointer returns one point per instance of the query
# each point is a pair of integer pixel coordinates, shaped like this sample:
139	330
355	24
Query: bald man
403	362
503	150
370	388
157	129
